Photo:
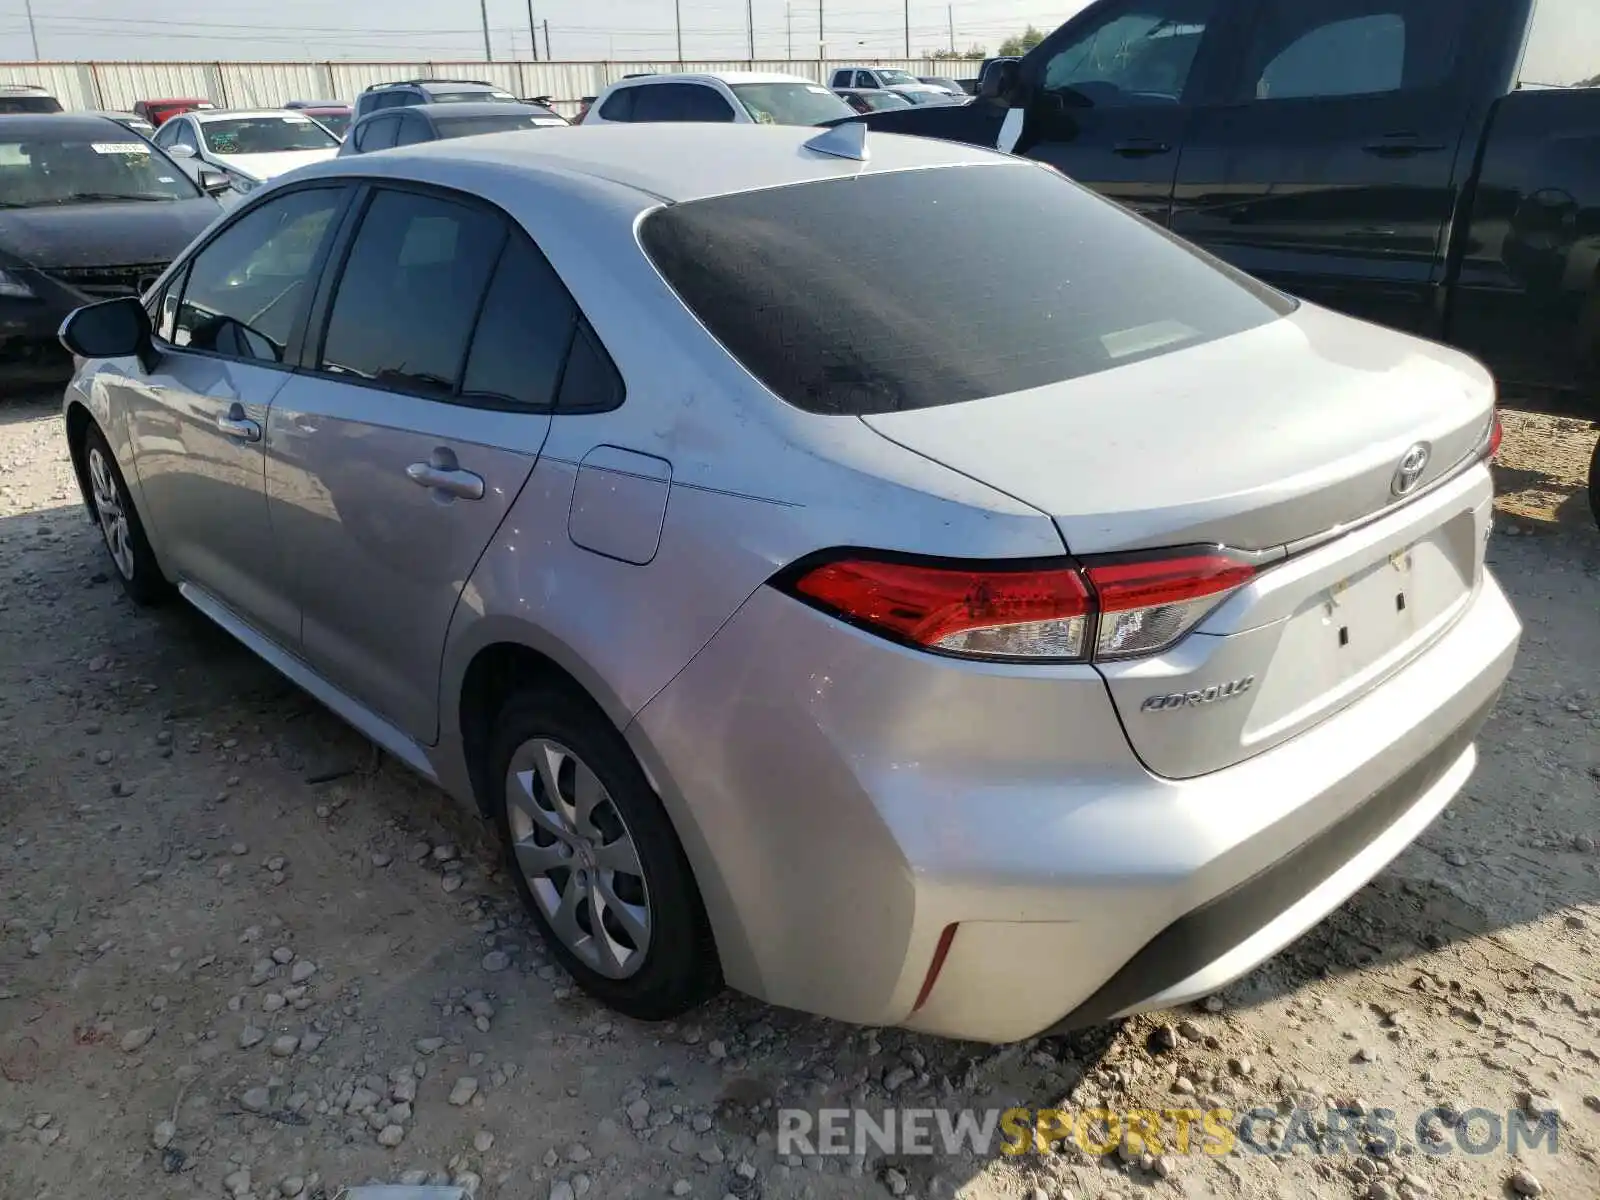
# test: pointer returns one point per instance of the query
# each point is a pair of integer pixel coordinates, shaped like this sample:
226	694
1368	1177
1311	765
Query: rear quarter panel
1527	293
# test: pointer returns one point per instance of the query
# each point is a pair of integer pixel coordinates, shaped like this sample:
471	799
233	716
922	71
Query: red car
157	111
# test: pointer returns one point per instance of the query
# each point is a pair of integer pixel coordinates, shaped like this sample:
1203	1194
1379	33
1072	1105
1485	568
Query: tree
1029	38
973	51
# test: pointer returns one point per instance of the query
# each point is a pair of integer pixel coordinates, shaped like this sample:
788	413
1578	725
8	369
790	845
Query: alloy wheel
108	504
578	857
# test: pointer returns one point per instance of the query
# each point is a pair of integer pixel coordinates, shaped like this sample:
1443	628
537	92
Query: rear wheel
595	857
120	528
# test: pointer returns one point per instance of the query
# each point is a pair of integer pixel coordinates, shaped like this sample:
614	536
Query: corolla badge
1409	473
1199	696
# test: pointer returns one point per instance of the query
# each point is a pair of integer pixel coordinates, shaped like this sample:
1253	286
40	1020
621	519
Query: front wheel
595	857
120	527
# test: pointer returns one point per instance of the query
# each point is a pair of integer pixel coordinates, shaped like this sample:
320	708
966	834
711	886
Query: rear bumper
844	802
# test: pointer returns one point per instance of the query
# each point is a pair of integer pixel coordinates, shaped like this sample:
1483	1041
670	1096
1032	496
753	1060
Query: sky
451	29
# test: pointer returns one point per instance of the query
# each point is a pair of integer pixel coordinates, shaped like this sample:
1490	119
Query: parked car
584	105
939	81
27	98
428	91
332	115
660	494
89	211
129	121
1451	192
865	100
737	97
433	122
932	96
248	147
886	78
157	112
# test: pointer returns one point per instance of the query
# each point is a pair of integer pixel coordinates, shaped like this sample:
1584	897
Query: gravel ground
244	955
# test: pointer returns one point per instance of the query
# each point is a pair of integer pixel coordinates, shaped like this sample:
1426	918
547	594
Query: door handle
1140	148
442	473
235	424
1401	145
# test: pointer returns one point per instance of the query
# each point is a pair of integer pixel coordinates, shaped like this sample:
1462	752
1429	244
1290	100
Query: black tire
1594	484
680	969
136	569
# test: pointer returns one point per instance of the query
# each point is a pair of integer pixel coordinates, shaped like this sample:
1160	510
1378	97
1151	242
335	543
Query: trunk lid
1269	441
1253	441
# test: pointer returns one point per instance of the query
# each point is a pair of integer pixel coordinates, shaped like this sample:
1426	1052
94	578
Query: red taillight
1061	614
1495	434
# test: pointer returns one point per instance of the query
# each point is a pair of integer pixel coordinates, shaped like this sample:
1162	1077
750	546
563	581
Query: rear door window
411	288
378	134
619	105
523	335
913	289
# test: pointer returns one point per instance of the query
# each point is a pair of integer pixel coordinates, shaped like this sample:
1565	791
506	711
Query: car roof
665	161
728	77
66	125
470	108
207	115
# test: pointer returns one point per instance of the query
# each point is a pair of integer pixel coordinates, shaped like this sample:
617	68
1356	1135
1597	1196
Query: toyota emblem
1409	473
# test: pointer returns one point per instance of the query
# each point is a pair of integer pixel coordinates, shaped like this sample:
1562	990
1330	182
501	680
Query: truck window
1140	54
1320	48
1563	47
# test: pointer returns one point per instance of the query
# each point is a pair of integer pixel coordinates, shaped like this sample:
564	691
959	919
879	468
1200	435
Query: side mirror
110	329
180	151
1001	82
213	183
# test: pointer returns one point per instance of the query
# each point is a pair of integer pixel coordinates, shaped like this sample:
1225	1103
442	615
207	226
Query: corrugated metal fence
117	85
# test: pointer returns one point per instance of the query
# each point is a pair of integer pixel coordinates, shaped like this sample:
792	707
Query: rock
1379	1190
446	853
1191	1031
302	971
256	1100
283	1047
562	1190
102	757
1163	1038
1524	1183
1456	859
1212	1004
263	970
496	960
682	1187
451	883
283	956
1240	1067
1365	1054
483	1141
895	1182
272	1002
716	1050
38	944
1583	844
362	1100
163	1134
391	1136
290	1186
711	1154
239	1182
682	1142
381	860
137	1039
1183	1085
896	1077
428	1045
638	1112
49	1136
464	1090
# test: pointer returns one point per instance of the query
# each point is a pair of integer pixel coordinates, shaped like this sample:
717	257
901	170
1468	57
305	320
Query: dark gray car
435	122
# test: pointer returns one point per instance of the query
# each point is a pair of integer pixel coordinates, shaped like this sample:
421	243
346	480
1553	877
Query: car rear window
913	289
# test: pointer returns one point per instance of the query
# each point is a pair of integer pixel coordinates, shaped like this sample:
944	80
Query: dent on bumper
843	801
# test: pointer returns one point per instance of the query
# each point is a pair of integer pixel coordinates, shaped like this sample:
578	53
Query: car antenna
845	140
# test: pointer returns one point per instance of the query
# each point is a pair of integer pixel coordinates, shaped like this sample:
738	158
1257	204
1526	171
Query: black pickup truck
1433	165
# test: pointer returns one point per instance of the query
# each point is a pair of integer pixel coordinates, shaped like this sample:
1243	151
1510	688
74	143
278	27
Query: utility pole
822	33
908	29
950	14
533	32
488	51
788	28
32	32
677	14
547	57
750	24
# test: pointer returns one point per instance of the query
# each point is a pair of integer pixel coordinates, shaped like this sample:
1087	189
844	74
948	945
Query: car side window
412	129
619	105
1140	53
165	135
1563	47
697	102
655	102
185	135
1329	48
841	79
247	288
591	382
523	334
411	288
380	133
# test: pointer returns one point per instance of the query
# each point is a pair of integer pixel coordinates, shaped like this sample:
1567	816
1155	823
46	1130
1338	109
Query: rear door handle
235	424
442	473
1402	146
1140	148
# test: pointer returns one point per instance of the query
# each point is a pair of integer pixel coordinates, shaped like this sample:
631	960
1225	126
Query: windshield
882	100
467	126
470	97
855	295
896	78
335	123
790	103
44	172
266	135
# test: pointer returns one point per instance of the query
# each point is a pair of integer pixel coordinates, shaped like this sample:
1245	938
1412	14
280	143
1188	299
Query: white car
889	79
249	147
730	97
